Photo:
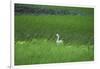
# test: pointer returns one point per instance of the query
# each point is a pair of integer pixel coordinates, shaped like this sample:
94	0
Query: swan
58	40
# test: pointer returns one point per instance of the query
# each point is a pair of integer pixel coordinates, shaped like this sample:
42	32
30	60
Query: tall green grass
35	40
71	28
43	51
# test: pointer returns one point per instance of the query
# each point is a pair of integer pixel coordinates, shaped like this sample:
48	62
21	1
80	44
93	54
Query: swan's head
57	34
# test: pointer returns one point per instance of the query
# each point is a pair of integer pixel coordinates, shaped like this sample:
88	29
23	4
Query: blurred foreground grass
44	51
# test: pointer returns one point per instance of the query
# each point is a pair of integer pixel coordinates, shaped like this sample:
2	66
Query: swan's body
58	41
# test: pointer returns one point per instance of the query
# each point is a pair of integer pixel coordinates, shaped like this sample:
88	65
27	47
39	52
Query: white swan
58	41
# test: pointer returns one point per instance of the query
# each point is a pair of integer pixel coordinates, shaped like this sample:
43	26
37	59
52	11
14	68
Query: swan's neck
57	38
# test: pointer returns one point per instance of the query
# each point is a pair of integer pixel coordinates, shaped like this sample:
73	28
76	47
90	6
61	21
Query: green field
35	39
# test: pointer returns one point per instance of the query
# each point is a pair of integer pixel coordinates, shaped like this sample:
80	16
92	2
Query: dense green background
77	29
